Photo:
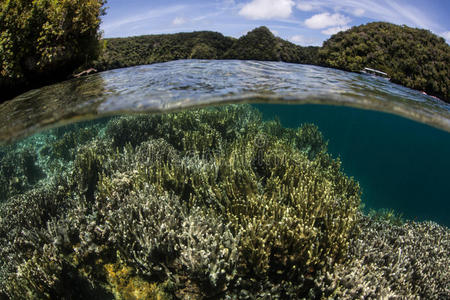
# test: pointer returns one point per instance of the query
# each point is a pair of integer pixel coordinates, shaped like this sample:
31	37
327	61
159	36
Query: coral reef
207	203
126	285
18	171
391	261
34	160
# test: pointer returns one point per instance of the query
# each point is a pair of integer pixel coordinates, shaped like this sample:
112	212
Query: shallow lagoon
233	201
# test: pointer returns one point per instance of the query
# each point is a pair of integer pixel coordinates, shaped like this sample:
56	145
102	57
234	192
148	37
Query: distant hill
147	49
415	58
258	44
261	44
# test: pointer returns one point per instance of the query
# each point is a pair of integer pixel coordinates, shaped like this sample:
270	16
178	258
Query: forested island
258	44
36	51
415	58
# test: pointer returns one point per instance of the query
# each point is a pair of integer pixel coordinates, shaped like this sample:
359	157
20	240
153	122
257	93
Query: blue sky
304	22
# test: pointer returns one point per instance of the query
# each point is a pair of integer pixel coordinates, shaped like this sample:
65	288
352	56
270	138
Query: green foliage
415	58
147	49
43	41
203	51
258	44
261	44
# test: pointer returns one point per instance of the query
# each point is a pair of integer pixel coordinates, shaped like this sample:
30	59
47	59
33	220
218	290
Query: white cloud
334	30
446	35
274	32
298	39
324	20
358	12
267	9
394	11
178	21
141	18
304	41
307	6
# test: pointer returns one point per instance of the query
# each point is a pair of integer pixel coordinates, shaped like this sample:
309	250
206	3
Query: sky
303	22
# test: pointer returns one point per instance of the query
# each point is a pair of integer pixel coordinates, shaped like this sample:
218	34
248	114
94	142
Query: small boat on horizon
375	72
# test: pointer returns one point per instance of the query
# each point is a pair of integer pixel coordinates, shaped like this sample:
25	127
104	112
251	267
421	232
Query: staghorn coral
387	260
193	130
48	275
163	238
208	252
288	192
126	285
18	171
207	203
64	146
264	202
387	215
306	138
35	237
36	159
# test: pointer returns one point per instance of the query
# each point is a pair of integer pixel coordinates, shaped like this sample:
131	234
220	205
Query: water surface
187	83
288	182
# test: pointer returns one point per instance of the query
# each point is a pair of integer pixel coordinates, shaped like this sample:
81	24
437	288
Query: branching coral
162	238
18	171
394	261
127	286
293	207
207	203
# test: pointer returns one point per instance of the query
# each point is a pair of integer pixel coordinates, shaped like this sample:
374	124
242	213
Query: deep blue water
400	164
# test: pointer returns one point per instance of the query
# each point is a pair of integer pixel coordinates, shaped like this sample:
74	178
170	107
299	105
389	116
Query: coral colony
206	203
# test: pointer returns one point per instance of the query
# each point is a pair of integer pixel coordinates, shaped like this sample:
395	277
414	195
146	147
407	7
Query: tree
203	51
258	44
43	41
413	57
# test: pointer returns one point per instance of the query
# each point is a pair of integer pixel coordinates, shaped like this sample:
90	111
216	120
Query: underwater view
225	180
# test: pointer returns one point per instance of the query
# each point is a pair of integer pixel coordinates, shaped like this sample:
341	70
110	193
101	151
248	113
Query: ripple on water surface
187	83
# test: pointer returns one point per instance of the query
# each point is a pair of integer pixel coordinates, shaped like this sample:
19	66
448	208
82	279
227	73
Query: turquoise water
224	180
400	164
